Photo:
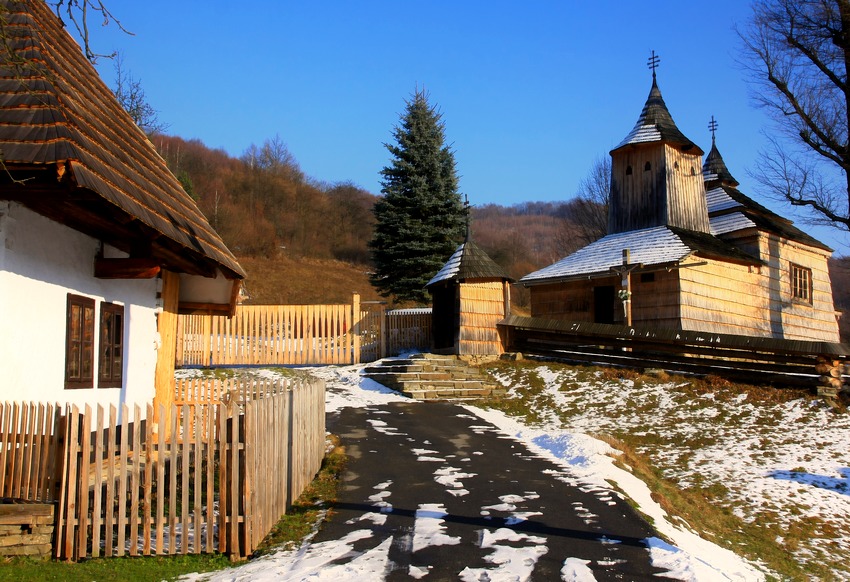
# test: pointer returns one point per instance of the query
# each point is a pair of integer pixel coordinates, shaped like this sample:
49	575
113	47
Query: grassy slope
286	281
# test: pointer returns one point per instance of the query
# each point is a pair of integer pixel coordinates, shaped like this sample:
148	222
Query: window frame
110	361
801	284
79	333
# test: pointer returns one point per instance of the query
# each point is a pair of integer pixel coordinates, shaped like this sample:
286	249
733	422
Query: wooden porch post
166	323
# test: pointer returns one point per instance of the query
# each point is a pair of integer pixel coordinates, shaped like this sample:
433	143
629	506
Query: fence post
356	318
382	342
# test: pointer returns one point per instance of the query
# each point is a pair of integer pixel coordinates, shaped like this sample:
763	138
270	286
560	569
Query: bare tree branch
797	54
79	12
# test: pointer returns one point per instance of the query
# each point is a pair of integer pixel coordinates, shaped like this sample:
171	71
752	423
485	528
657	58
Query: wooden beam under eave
125	268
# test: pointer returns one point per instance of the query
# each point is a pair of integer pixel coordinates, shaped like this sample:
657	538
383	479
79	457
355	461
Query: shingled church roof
656	124
714	168
81	158
469	262
732	211
650	247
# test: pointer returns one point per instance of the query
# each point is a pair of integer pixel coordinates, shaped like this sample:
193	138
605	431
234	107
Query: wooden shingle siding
637	198
482	306
799	319
686	206
723	297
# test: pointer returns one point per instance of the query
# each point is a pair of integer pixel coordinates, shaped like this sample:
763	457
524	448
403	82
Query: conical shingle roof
714	168
469	262
655	124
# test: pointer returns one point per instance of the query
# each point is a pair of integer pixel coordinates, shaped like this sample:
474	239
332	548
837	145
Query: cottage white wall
41	261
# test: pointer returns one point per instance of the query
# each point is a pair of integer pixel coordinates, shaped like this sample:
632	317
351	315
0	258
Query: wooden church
687	250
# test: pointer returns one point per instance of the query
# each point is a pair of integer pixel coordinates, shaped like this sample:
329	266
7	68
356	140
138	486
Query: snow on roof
648	246
717	200
730	223
450	269
656	124
469	261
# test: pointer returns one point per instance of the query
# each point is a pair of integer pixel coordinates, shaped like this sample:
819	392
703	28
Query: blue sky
531	93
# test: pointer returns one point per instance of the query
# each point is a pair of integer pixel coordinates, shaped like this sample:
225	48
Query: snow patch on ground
586	463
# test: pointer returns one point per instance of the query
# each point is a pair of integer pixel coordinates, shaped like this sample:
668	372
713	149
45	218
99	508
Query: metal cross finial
652	63
712	127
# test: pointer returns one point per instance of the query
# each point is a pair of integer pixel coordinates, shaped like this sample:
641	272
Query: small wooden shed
471	294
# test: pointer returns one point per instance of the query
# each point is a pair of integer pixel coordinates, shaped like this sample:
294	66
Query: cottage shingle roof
58	117
656	124
469	262
656	246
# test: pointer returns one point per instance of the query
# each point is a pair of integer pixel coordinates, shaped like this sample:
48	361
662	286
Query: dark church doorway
603	304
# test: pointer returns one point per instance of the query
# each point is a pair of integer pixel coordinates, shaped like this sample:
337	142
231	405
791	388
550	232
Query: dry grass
287	281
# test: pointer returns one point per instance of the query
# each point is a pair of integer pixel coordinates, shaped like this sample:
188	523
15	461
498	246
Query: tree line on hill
263	205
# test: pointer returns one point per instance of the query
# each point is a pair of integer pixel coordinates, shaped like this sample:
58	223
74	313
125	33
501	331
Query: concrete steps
433	377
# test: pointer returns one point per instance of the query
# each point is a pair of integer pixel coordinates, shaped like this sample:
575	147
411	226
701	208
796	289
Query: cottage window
801	283
111	361
79	343
647	167
628	170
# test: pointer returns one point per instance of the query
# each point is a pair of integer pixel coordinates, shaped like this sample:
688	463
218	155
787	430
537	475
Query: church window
628	170
647	167
801	283
675	165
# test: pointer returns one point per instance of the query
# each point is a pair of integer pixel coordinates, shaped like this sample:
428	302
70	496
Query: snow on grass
779	462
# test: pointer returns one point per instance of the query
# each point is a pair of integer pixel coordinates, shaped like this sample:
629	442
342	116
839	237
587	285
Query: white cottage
100	247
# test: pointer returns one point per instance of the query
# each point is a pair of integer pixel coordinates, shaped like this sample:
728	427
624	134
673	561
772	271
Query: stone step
432	377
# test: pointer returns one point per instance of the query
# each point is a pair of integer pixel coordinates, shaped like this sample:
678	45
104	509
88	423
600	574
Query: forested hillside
305	241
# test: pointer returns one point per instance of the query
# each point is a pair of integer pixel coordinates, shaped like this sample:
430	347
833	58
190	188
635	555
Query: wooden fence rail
748	359
213	475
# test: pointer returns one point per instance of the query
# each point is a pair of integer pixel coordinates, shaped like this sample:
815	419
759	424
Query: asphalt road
462	501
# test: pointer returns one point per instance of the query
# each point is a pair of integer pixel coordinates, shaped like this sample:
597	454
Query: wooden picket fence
281	335
408	330
30	451
211	474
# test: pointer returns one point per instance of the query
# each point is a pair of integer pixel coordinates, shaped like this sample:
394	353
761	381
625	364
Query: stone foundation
26	529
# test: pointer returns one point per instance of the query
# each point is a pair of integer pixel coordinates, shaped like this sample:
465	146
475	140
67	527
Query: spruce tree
420	218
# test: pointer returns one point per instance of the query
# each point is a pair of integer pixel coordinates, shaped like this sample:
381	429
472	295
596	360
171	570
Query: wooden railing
754	360
213	474
281	335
